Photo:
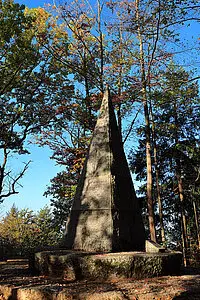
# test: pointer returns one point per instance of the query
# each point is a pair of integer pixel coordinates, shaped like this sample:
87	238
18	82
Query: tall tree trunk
196	223
101	46
180	190
183	217
162	229
148	131
119	119
87	92
2	170
119	116
160	210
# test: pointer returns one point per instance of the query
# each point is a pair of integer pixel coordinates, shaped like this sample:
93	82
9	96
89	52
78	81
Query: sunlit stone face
105	214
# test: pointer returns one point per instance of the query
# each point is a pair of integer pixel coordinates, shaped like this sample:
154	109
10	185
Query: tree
176	127
12	38
33	88
148	33
184	126
152	26
23	231
48	233
16	230
69	139
61	191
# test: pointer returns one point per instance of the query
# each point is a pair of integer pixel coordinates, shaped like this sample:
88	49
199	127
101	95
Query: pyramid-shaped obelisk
105	214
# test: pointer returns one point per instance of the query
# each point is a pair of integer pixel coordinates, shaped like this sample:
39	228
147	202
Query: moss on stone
75	265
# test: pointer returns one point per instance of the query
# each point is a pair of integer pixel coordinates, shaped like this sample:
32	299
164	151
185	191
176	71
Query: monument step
74	265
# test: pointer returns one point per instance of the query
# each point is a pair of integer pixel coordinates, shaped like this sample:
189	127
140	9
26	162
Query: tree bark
160	210
119	116
148	131
180	190
197	223
183	218
101	47
162	229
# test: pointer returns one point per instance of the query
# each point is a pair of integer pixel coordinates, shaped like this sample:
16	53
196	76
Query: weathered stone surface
41	287
33	293
159	288
81	265
6	292
152	247
41	259
51	293
103	296
105	214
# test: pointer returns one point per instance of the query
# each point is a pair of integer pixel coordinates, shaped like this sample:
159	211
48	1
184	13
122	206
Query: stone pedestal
77	265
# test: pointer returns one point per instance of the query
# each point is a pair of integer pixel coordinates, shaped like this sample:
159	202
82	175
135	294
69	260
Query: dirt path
16	282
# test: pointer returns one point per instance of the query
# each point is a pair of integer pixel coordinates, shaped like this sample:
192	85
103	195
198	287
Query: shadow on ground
17	282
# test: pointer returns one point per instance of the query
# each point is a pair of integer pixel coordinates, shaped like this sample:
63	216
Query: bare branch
155	44
131	126
180	22
12	187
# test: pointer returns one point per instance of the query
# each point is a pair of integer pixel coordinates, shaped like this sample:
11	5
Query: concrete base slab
74	265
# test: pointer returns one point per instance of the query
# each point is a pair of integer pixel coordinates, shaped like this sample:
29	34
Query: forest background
55	63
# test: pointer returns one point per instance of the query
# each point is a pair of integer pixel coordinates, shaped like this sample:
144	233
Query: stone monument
105	216
104	236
